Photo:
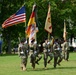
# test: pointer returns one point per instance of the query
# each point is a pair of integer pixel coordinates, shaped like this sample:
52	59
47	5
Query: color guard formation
53	49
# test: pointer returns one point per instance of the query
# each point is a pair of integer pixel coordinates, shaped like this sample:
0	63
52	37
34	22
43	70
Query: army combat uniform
32	53
57	54
23	53
65	50
47	52
37	54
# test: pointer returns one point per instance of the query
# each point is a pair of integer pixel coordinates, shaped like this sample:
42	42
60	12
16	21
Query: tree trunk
8	41
9	45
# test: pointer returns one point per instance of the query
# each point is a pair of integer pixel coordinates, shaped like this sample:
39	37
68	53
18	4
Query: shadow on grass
42	69
66	67
2	55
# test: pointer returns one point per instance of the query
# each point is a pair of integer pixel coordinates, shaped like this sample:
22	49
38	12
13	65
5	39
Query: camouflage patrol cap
32	40
23	40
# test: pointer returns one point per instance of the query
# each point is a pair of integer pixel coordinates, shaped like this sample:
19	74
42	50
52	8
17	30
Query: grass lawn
10	65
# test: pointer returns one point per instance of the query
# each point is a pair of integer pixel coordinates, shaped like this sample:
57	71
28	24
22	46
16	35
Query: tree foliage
60	10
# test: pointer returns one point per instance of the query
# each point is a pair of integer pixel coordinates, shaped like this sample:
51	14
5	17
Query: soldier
45	48
57	53
38	55
32	53
50	49
23	53
65	50
60	53
47	52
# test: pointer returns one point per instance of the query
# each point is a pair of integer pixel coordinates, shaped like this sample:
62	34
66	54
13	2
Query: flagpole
64	34
35	21
25	32
25	23
48	32
48	35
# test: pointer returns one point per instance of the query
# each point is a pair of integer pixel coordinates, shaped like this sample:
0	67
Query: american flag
18	17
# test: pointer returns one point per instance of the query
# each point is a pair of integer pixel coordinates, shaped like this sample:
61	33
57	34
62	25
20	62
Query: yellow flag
48	25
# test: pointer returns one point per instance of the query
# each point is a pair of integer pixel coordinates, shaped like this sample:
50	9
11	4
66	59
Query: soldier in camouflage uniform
45	48
50	49
47	52
65	50
38	55
32	53
57	53
35	56
23	53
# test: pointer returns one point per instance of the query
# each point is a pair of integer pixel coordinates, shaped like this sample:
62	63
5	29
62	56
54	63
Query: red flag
31	29
31	21
18	17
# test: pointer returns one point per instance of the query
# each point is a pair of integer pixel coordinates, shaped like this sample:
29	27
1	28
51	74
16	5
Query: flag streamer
64	33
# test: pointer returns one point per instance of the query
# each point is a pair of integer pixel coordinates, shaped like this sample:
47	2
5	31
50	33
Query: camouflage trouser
46	54
57	57
50	54
24	62
65	54
38	58
35	57
32	58
45	58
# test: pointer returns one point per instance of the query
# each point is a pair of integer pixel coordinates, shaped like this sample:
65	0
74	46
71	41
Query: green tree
60	10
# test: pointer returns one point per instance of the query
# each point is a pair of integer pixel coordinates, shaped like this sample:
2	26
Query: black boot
37	62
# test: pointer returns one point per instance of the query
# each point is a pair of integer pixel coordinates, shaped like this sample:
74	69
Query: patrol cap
45	39
32	40
56	40
23	40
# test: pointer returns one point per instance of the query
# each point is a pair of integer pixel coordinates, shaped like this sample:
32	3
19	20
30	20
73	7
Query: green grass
10	65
